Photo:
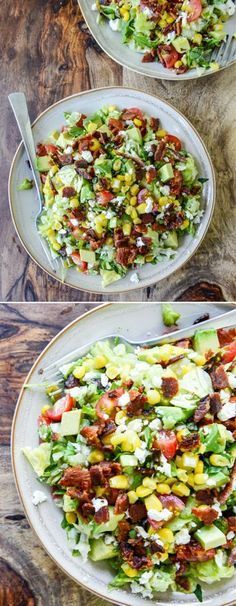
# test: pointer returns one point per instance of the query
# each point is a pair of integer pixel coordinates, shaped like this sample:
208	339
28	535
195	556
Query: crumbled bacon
232	523
91	434
68	192
215	403
121	504
232	557
169	387
173	219
134	552
137	403
87	509
125	256
206	514
82	495
194	553
160	151
154	123
176	183
189	442
111	495
137	511
205	496
101	472
106	405
102	515
219	378
123	530
202	409
151	174
76	476
226	336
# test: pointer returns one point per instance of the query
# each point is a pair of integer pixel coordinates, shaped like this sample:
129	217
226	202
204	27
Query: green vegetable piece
128	460
198	593
210	537
166	172
88	256
26	184
181	44
38	457
100	551
69	504
70	423
172	240
112	523
206	340
43	164
109	276
169	316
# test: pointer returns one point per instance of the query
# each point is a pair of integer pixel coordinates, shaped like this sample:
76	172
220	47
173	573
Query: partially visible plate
134	321
110	42
24	204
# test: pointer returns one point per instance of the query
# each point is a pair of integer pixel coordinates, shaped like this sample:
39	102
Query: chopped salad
138	446
181	35
119	191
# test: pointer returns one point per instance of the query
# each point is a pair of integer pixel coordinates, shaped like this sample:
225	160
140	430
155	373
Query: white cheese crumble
137	588
155	424
140	242
158	516
141	454
136	425
114	24
230	535
86	155
232	380
134	278
165	467
216	507
227	412
149	205
182	537
124	399
104	380
38	497
99	503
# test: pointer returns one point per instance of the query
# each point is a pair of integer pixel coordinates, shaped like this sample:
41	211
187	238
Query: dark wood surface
47	52
28	577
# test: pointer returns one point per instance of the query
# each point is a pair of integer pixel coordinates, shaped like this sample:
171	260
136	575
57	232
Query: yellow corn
71	517
107	440
182	475
163	488
127	229
129	571
130	441
200	478
180	434
132	496
137	122
191	479
163	200
119	416
190	460
74	203
96	456
137	221
99	362
94	145
45	408
153	397
112	371
149	258
152	502
199	467
134	189
142	492
197	38
166	535
180	489
133	213
100	490
149	483
214	66
79	372
185	224
88	364
119	481
141	208
161	133
128	179
133	200
178	63
179	461
218	27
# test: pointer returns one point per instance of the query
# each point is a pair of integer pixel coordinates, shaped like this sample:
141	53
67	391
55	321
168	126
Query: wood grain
48	53
28	577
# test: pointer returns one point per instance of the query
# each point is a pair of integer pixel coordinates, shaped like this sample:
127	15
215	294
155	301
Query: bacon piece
205	514
71	381
215	403
226	492
125	256
219	378
169	387
134	552
202	409
137	403
232	523
123	530
189	442
151	174
176	183
87	509
115	125
149	56
185	343
154	123
91	433
82	495
111	495
194	553
172	502
68	192
65	159
137	511
101	472
205	496
102	515
106	405
121	504
173	219
160	151
76	476
232	557
226	336
183	582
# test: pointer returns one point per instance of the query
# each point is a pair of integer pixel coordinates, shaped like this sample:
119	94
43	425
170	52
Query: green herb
198	593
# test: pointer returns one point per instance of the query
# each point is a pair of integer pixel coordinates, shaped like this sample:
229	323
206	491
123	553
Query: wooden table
28	577
48	53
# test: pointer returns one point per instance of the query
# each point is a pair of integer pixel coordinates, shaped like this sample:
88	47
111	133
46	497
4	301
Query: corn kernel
137	122
182	475
129	571
142	492
94	145
149	483
137	221
132	496
179	461
166	535
45	408
163	488
197	38
96	456
127	229
134	189
185	224
218	27
214	66
199	467
130	441
161	133
153	397
149	258
180	489
112	372
117	439
119	481
180	434
218	460
152	502
71	517
141	208
191	480
107	440
200	478
119	417
74	203
79	372
133	214
178	64
163	200
133	200
190	460
56	246
128	179
99	362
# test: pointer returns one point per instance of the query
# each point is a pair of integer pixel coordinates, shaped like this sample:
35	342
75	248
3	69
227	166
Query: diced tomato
171	502
195	10
43	419
229	353
226	336
104	197
131	113
65	404
176	142
106	405
51	149
77	260
167	442
168	55
41	150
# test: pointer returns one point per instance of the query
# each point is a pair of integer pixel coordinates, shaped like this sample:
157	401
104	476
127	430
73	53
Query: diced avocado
206	340
26	184
169	315
171	415
210	537
172	240
134	134
128	460
181	44
100	551
88	256
70	423
91	127
109	276
69	504
113	222
166	172
112	523
86	193
219	36
43	164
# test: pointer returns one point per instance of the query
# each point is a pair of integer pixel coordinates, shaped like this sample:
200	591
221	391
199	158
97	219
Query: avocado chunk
210	537
43	164
128	460
166	172
70	423
88	256
181	44
206	340
100	551
86	193
112	523
69	504
109	276
172	240
134	134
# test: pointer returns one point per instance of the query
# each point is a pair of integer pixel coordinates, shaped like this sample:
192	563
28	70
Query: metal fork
20	110
52	374
226	52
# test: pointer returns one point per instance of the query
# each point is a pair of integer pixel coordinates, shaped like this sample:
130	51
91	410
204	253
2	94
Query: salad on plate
119	192
179	34
138	447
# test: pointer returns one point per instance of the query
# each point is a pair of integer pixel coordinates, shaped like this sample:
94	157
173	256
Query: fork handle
20	110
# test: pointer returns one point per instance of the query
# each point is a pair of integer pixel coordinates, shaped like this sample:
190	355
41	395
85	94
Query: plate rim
174	78
52	341
103	291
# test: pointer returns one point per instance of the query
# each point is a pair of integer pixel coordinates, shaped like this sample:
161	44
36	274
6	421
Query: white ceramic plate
111	43
24	204
134	321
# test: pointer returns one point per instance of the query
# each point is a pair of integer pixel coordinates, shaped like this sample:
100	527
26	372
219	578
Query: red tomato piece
195	10
168	55
104	197
176	142
226	336
167	442
51	149
229	353
41	150
77	260
131	113
106	405
65	404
